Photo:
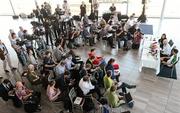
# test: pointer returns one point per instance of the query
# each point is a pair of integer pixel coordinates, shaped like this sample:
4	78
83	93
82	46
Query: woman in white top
166	51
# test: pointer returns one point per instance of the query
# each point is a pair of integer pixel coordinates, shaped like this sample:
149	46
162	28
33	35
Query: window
154	7
5	8
23	6
172	8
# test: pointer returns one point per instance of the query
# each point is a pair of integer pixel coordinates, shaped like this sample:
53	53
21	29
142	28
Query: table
147	59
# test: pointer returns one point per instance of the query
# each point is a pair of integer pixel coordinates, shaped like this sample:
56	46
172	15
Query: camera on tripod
20	43
30	37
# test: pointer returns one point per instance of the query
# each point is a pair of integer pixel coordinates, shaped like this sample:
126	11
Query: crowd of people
60	69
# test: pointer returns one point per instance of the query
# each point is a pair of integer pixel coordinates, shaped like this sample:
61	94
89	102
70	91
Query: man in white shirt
166	51
87	87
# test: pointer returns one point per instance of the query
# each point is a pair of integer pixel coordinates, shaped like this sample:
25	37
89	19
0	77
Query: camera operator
17	45
38	14
56	27
20	32
47	7
47	26
43	12
28	41
58	10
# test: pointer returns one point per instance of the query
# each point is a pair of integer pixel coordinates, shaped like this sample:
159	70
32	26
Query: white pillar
12	7
127	7
162	17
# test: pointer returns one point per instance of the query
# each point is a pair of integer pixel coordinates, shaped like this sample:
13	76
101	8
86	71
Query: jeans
48	36
124	86
122	39
22	57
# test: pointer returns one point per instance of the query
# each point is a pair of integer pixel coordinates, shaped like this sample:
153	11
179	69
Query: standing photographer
56	28
4	56
28	41
17	46
48	35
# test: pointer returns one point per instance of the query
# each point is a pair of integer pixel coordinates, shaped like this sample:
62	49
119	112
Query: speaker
143	1
90	1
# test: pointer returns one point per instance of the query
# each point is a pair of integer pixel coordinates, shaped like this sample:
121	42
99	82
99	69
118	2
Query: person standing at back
4	55
112	8
83	9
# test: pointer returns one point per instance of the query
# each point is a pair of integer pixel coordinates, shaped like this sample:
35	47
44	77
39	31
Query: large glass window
154	7
172	8
5	8
135	6
74	5
104	7
23	6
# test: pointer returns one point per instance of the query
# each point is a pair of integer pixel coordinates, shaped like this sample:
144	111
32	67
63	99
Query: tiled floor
152	95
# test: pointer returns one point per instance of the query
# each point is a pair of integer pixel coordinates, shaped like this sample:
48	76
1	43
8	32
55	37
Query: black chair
171	43
168	71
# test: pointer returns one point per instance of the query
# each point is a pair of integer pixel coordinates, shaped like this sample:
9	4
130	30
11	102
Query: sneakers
13	68
6	71
131	86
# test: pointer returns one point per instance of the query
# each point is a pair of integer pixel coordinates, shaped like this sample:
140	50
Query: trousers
7	61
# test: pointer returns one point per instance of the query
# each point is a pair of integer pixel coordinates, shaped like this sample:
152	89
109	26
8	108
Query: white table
147	60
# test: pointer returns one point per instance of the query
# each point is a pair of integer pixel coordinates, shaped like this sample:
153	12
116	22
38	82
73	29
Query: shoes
13	68
6	71
113	47
61	112
121	94
39	108
132	86
125	49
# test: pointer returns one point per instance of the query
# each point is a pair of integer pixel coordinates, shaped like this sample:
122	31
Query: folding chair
77	102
